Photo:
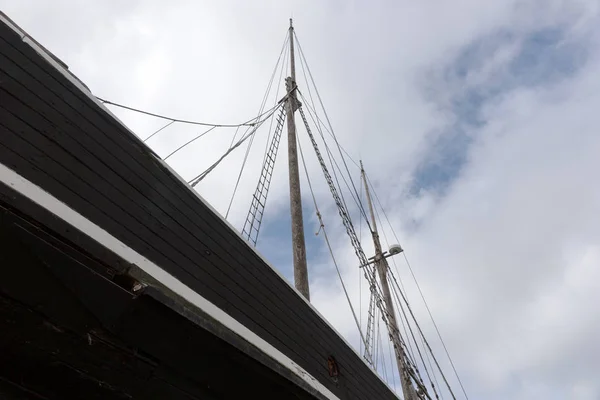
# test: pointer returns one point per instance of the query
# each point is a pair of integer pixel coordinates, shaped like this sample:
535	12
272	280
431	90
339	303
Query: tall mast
382	267
298	244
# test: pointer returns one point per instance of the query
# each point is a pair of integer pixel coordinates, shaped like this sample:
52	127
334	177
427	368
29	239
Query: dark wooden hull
71	327
81	319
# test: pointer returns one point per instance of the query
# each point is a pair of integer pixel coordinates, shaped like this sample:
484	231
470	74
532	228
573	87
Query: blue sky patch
275	238
542	57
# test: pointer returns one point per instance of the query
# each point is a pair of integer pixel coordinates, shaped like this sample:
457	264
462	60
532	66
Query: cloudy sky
478	126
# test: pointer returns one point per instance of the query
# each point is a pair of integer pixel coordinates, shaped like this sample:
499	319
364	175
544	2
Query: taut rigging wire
312	108
319	129
421	294
194	181
403	314
267	146
428	347
267	114
189	142
322	227
160	129
412	334
325	113
183	121
368	270
320	124
262	106
334	164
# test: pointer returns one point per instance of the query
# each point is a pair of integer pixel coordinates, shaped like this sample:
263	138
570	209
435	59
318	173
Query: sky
477	123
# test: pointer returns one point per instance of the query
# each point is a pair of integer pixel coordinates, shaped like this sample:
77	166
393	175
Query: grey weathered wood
382	270
298	242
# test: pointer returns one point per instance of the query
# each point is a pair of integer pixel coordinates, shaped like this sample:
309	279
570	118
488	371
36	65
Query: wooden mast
298	243
382	267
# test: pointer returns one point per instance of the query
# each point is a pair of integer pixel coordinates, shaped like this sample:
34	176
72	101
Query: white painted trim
78	221
26	38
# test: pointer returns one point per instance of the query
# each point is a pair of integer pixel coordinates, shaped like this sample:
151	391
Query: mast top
291	25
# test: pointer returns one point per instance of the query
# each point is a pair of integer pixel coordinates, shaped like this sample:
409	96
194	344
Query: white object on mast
395	249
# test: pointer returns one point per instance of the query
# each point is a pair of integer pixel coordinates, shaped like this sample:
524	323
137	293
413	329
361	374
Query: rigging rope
284	68
326	115
322	228
313	109
255	213
189	142
364	262
193	182
403	314
262	106
436	329
255	126
432	370
380	345
234	136
420	331
387	243
401	308
374	347
415	342
370	333
239	178
392	357
183	121
334	164
320	124
397	289
155	132
359	273
372	310
421	294
350	230
410	349
267	114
